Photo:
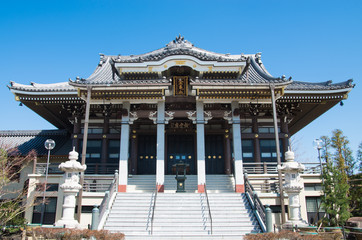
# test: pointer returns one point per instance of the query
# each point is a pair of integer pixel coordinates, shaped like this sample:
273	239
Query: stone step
188	237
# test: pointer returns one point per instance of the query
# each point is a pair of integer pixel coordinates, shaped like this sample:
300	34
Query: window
94	130
314	210
267	129
246	130
85	209
51	187
94	150
49	211
113	151
268	150
312	187
248	150
278	209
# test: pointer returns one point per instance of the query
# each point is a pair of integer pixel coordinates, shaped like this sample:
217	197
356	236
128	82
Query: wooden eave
311	105
246	93
131	94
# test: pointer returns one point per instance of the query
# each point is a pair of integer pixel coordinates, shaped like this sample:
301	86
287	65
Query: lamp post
317	143
49	145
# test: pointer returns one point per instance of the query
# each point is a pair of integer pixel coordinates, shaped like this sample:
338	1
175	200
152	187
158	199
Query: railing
40	168
208	207
101	168
93	185
109	168
104	207
272	168
261	168
263	185
92	168
153	209
255	202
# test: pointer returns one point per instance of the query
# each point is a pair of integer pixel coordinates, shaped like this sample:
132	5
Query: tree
12	199
336	197
355	183
359	157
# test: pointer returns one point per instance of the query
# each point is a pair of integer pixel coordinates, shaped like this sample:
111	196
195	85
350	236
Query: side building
148	112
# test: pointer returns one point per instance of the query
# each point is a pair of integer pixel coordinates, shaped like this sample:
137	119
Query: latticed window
113	151
268	150
49	211
315	211
248	150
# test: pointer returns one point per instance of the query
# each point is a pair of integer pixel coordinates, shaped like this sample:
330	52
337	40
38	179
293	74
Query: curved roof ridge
254	74
53	87
105	73
180	46
327	85
263	73
102	67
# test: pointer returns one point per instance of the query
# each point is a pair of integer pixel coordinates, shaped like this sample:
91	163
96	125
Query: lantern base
71	223
291	224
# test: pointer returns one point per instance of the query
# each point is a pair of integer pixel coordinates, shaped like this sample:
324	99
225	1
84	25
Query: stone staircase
129	213
146	183
181	215
232	215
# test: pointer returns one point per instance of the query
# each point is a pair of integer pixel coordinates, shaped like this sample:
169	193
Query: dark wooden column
285	131
104	156
256	142
133	155
227	151
76	132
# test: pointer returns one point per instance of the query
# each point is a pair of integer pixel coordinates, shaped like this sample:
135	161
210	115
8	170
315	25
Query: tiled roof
26	141
253	75
308	86
106	73
179	46
36	87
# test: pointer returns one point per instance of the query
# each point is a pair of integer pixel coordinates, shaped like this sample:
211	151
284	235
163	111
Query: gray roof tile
36	87
25	141
298	85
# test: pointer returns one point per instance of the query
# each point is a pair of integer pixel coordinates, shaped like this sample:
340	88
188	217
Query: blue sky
315	41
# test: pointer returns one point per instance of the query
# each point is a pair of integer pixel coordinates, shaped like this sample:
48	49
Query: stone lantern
70	187
293	187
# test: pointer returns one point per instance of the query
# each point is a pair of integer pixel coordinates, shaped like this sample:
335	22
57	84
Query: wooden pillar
284	129
200	138
238	161
160	161
256	143
123	156
227	151
76	132
104	156
134	156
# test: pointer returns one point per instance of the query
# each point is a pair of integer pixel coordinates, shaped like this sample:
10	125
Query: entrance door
180	148
214	154
146	157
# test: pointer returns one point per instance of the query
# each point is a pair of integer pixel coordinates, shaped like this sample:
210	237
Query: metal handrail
108	194
208	206
153	210
255	202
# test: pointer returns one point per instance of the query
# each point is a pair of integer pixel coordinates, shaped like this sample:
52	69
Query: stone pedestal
70	188
293	187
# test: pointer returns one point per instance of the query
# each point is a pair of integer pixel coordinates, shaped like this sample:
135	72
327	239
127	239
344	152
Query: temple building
143	114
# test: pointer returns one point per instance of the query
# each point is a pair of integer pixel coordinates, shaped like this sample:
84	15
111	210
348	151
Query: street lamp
49	145
317	144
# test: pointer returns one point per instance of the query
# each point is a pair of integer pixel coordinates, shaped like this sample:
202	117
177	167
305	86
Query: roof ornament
179	42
